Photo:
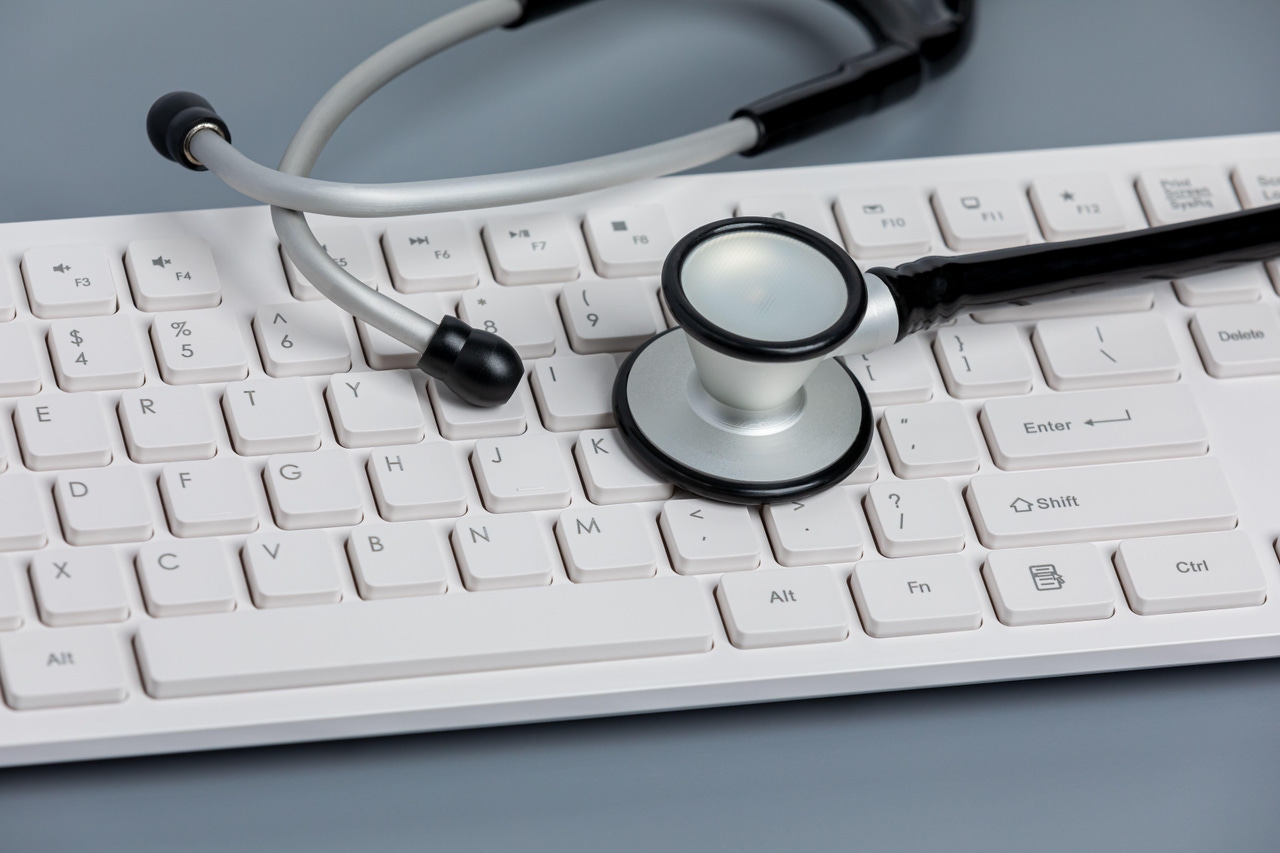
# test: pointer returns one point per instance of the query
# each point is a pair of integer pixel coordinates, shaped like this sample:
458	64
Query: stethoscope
742	402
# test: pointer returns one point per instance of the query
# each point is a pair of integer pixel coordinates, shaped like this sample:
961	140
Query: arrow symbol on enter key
1127	417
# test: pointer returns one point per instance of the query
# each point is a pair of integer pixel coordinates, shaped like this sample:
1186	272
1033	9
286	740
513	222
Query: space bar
466	632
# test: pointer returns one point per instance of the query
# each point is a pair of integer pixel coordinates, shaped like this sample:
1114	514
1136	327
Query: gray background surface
1183	759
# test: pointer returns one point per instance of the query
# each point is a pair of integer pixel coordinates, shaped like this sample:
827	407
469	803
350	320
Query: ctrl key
69	666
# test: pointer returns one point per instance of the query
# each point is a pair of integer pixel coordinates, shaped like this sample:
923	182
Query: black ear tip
478	366
172	118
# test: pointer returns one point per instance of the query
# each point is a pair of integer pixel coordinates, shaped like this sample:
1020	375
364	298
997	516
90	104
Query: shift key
1099	503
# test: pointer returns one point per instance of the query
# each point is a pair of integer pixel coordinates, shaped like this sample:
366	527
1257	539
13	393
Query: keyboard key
1238	340
914	518
372	409
929	440
271	416
215	497
431	254
523	318
815	530
607	543
185	578
783	607
1181	194
1039	586
1258	182
8	303
1108	502
302	340
172	274
1238	284
1071	207
807	210
501	551
867	471
103	506
459	420
1105	352
1077	303
611	475
352	248
418	481
384	352
69	281
1092	427
982	215
423	636
884	222
53	669
291	569
194	347
897	374
395	560
1204	571
575	393
10	597
316	489
22	526
612	316
533	248
95	354
19	361
164	424
927	595
704	536
62	431
79	587
984	361
521	473
628	241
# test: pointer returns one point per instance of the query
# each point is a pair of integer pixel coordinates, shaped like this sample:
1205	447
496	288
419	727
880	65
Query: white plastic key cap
53	669
609	473
427	635
984	361
10	597
271	416
783	607
1105	352
982	215
606	543
897	374
704	536
313	490
927	595
532	248
164	424
69	281
1257	182
8	302
102	506
1061	583
523	318
626	241
914	518
1091	427
1204	571
576	392
1085	303
384	352
1070	207
352	248
930	440
302	339
431	253
213	497
417	481
807	210
1180	194
172	274
884	222
371	409
185	578
818	529
79	587
95	354
867	471
288	569
459	420
1236	284
62	431
501	551
1238	340
521	473
194	347
612	316
22	525
19	361
395	560
1105	502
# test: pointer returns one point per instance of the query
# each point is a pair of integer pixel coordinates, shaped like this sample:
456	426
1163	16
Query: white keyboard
230	515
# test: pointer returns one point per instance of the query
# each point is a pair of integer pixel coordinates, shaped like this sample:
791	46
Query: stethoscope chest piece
741	403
